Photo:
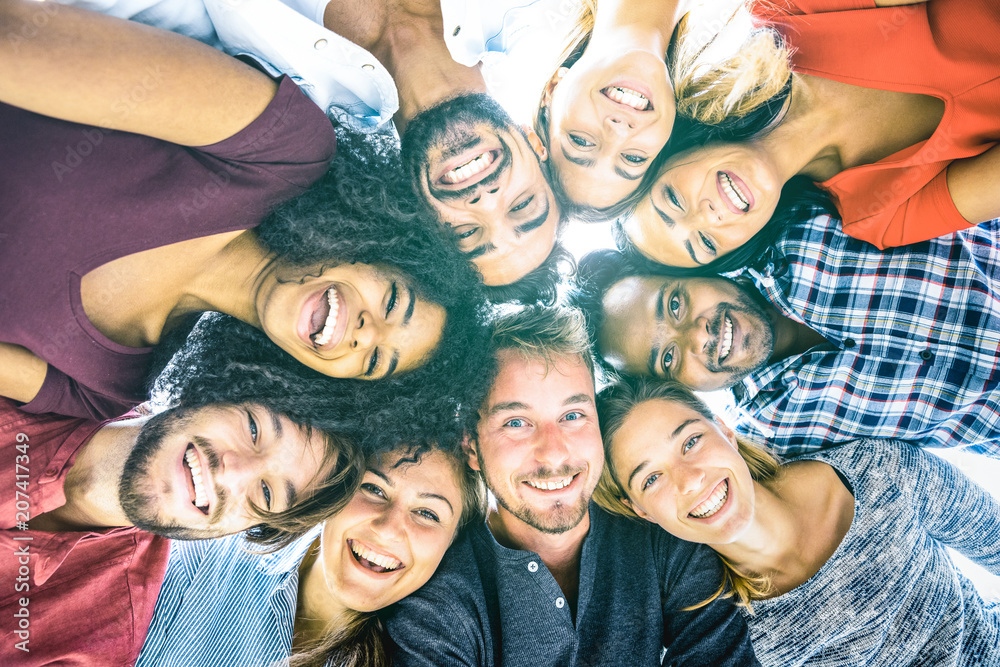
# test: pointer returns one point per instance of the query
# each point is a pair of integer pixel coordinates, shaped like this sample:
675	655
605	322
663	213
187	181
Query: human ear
469	449
550	86
535	142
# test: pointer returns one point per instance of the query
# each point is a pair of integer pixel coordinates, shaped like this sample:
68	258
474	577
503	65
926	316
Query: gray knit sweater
890	595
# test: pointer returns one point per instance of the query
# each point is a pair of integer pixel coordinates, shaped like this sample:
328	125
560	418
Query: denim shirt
288	37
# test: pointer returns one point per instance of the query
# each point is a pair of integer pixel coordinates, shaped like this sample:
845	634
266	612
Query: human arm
21	373
972	184
151	82
950	507
712	634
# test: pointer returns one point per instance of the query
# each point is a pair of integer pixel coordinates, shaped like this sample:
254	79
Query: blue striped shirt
890	594
914	341
221	605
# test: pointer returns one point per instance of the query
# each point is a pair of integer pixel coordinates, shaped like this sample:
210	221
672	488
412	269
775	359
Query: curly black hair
361	211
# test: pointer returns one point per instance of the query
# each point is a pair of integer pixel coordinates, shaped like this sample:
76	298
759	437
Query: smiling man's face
483	177
706	333
198	473
539	445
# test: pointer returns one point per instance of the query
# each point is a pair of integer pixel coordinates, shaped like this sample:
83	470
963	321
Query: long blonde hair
614	404
707	90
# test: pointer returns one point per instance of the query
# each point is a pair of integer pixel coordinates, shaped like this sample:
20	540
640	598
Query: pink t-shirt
74	197
88	596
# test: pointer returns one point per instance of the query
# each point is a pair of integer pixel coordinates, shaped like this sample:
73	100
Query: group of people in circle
332	260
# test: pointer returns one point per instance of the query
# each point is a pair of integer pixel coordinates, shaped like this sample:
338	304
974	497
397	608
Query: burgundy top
89	596
74	197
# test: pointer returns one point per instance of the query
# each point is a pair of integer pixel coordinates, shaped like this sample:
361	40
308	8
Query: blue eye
252	424
580	141
691	442
674	305
515	423
431	516
646	483
573	416
666	362
633	159
267	495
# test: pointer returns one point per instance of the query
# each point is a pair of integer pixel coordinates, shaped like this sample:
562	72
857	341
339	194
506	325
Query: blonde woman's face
609	117
706	203
389	539
684	473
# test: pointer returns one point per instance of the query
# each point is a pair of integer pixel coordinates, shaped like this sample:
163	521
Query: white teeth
469	169
727	338
387	562
735	195
551	486
628	97
200	497
324	336
713	504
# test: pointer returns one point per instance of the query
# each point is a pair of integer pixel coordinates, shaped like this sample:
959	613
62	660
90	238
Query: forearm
972	184
21	373
97	70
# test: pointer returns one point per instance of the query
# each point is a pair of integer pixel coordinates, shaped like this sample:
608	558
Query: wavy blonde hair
614	404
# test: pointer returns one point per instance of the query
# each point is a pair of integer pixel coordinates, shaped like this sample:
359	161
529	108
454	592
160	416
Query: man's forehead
519	372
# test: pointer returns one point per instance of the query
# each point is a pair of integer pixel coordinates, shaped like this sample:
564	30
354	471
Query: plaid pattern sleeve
913	342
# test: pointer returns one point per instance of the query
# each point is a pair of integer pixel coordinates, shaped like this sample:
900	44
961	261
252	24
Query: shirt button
368	66
926	355
51	472
560	603
457	30
532	566
320	44
849	343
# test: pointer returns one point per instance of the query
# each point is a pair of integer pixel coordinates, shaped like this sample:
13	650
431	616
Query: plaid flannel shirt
914	341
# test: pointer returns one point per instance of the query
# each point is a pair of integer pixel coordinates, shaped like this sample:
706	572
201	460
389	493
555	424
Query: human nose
710	213
551	448
388	524
238	469
687	478
485	198
368	332
618	124
694	335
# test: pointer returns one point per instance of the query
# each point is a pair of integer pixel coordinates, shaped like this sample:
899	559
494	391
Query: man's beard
759	338
558	519
136	486
450	127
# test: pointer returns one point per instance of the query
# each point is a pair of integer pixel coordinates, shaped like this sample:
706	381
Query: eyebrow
578	398
390	484
663	214
673	435
479	251
627	176
532	225
508	405
290	495
583	162
276	424
690	249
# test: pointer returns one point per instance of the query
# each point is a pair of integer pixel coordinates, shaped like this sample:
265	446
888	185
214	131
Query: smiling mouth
714	502
628	97
739	199
324	330
550	484
726	343
193	466
472	170
373	561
